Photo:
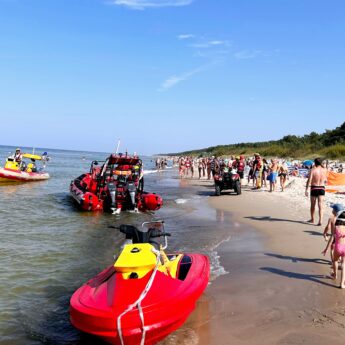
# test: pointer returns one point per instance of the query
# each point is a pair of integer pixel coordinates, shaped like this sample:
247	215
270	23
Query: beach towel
337	183
335	179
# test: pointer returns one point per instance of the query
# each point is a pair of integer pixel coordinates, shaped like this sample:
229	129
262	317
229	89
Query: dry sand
277	290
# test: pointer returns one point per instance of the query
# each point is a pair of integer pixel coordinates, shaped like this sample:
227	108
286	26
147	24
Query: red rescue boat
144	296
116	185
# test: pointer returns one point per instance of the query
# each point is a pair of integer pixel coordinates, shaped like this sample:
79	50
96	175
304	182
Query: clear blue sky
168	75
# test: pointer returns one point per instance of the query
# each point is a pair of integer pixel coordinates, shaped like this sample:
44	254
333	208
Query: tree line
330	144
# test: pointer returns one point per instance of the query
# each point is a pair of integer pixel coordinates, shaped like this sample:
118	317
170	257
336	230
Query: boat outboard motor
132	191
112	192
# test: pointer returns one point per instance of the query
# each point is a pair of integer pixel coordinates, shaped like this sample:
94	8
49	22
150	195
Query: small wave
181	201
217	269
146	172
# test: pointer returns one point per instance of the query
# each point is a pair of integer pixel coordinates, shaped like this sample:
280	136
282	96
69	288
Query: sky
168	75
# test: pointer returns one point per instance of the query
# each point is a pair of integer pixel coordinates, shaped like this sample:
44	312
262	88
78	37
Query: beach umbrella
308	163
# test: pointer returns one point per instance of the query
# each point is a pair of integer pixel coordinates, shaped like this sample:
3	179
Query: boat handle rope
137	303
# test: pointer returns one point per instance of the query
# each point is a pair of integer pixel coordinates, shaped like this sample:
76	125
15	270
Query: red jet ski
145	295
117	185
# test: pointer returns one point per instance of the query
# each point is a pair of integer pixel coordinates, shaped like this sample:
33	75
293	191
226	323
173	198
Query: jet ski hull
96	306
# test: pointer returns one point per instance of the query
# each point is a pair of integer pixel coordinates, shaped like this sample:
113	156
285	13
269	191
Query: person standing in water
317	181
192	166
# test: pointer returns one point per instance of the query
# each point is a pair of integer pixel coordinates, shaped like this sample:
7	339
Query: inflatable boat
115	186
22	171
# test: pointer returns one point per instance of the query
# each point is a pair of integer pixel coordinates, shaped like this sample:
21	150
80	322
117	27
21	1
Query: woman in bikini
338	234
265	168
283	173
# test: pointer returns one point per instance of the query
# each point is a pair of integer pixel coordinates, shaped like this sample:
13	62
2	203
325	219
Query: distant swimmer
317	181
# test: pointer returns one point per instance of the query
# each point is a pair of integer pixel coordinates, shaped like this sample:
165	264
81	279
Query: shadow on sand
206	193
313	233
272	219
297	259
311	277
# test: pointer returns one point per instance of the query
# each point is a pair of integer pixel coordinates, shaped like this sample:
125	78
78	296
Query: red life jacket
240	166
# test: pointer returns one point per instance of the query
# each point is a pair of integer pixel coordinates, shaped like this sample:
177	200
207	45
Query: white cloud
185	36
216	43
210	44
143	4
176	79
248	54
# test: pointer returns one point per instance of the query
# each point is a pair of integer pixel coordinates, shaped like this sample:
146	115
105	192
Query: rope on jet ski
137	303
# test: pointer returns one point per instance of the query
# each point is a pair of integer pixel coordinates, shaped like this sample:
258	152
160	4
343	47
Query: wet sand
277	290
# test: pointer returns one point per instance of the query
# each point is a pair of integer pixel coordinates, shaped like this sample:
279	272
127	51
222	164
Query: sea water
49	248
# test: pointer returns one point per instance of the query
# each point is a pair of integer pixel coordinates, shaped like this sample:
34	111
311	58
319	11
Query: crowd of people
259	171
161	163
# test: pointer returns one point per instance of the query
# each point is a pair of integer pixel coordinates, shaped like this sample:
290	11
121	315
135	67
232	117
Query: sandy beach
277	290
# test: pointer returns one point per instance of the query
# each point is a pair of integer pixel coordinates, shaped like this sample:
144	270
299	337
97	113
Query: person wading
317	181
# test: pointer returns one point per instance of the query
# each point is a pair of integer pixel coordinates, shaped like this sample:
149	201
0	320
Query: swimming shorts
273	177
317	191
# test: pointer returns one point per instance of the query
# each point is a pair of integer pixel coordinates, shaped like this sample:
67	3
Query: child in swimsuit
338	234
336	208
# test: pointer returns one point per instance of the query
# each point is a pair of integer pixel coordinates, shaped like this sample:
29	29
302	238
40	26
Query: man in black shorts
317	182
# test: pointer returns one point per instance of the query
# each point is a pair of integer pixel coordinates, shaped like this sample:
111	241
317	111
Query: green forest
330	144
